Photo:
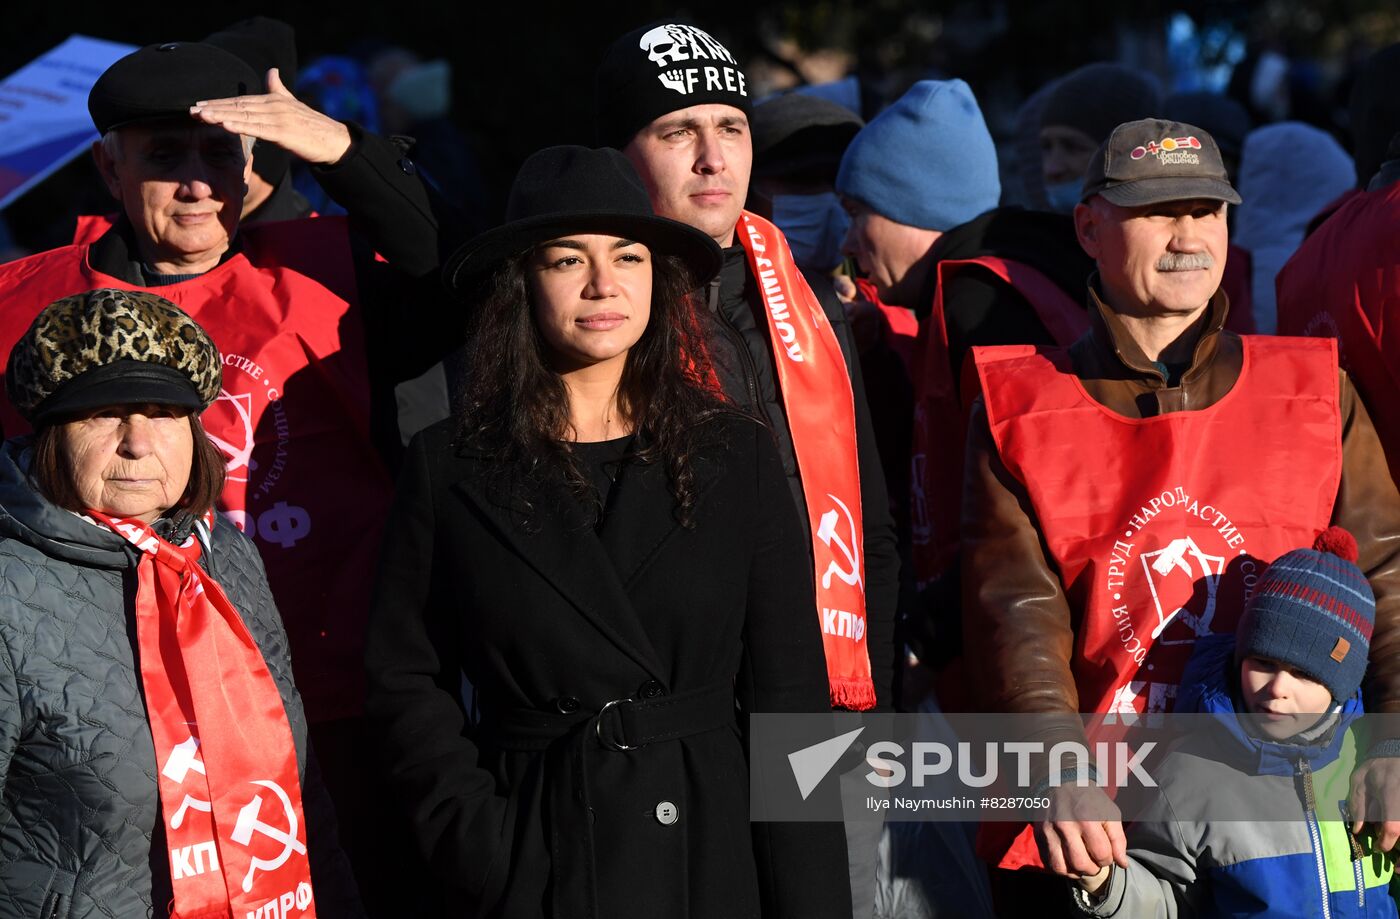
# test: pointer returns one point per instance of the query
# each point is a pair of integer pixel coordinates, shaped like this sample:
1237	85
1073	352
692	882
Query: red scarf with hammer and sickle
816	390
229	788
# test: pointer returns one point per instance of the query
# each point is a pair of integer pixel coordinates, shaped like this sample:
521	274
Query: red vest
293	417
1160	527
940	428
898	326
1344	283
90	228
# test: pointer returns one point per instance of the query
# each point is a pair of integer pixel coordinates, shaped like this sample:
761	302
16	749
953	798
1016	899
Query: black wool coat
526	806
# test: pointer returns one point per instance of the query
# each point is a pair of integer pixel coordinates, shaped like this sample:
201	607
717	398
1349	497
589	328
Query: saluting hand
280	119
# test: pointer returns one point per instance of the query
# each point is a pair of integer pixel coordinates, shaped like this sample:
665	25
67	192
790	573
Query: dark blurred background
518	75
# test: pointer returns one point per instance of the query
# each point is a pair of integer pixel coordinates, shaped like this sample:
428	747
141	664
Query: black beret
163	81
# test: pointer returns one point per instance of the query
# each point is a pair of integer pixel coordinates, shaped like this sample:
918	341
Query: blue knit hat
1314	610
926	161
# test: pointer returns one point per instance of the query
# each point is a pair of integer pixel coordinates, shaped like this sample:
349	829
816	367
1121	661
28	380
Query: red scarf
228	781
821	413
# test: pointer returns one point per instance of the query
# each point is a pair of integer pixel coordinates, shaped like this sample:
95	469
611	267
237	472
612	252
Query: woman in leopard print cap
145	683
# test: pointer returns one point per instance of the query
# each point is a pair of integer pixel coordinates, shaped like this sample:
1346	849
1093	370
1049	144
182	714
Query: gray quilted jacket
81	833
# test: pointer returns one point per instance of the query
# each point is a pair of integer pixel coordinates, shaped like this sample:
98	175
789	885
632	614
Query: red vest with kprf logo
292	417
1159	527
940	428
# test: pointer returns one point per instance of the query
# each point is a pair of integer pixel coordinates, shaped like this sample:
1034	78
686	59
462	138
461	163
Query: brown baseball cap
1153	160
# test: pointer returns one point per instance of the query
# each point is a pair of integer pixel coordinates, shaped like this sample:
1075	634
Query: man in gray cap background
1122	493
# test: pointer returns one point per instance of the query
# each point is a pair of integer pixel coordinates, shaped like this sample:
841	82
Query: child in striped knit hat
1251	818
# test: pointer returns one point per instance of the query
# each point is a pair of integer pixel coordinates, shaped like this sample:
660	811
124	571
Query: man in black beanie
676	102
1079	114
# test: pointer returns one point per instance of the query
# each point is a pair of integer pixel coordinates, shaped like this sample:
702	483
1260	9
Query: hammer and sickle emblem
240	457
826	532
250	822
1177	556
182	762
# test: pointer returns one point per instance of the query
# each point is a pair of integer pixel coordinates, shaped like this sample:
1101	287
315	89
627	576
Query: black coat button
408	166
567	705
650	690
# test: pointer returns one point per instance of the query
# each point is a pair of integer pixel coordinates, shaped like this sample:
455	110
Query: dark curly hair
515	409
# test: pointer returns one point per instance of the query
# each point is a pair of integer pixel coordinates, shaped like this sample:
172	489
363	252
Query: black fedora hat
570	189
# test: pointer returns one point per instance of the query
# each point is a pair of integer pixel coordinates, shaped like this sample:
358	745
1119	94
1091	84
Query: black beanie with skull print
659	69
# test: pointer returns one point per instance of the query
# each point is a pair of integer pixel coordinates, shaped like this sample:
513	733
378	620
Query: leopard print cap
93	329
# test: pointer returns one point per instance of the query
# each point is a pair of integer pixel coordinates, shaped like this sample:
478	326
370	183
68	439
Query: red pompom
1339	542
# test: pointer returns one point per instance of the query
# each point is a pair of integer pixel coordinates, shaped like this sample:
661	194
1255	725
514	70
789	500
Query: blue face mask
1063	196
814	226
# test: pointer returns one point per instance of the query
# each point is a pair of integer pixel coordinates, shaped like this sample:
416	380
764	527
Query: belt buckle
598	728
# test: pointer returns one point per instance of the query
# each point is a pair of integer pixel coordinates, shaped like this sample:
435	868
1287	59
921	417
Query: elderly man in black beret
311	326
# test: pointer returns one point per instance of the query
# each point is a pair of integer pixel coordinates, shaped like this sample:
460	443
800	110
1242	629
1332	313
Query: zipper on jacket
1357	855
1314	832
1360	883
749	369
53	906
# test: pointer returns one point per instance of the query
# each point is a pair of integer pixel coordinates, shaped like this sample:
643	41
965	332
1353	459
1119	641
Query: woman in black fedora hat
608	555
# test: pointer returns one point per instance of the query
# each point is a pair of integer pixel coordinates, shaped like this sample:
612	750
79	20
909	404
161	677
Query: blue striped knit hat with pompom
1314	610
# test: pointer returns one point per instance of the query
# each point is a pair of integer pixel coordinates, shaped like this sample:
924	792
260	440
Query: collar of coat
555	535
1112	337
116	253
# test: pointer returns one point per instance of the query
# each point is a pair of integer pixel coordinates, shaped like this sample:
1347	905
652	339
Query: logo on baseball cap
1151	161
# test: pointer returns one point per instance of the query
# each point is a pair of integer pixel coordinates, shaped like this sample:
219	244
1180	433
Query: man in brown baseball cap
1123	494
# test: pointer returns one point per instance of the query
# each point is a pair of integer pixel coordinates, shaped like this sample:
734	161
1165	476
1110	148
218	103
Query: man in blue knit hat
920	183
1248	803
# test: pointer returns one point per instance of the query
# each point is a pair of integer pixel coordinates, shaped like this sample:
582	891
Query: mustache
1185	261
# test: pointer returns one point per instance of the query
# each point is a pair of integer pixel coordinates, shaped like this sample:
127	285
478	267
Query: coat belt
622	724
574	740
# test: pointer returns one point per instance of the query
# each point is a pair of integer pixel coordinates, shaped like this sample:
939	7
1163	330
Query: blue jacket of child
1202	850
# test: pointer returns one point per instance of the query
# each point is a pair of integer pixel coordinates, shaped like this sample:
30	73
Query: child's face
1286	699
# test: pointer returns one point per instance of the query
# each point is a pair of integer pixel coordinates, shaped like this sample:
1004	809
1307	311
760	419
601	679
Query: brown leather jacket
1016	618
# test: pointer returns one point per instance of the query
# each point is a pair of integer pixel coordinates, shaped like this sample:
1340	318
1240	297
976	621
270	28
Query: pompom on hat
111	347
1314	610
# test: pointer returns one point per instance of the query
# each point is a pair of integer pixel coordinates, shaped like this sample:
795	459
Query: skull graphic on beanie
656	70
